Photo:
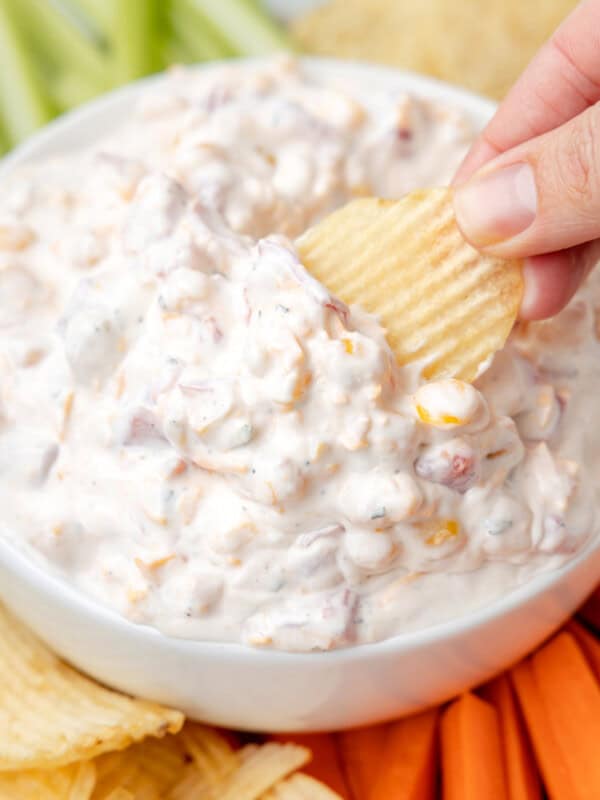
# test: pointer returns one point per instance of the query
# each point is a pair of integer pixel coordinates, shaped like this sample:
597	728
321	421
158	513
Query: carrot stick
590	610
519	764
571	698
472	761
590	646
325	764
408	764
556	777
361	750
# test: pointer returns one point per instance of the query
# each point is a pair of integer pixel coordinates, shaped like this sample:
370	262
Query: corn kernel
440	531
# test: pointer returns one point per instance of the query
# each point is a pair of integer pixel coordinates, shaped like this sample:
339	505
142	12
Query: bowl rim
29	570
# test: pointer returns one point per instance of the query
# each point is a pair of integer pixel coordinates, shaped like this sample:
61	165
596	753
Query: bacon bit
67	410
179	468
217	333
496	454
306	539
143	427
563	396
340	309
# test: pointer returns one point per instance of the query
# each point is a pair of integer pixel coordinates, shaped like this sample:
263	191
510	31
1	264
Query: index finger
562	81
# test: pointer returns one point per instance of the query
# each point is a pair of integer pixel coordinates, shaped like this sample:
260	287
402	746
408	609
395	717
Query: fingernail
550	281
498	205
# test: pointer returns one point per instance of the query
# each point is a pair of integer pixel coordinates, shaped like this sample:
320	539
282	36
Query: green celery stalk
4	143
69	89
23	105
174	51
195	34
200	32
63	43
133	37
248	30
96	15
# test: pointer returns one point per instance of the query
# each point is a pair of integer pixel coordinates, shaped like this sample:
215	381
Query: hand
530	185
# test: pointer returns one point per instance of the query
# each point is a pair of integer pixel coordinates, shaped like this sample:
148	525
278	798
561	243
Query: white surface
235	686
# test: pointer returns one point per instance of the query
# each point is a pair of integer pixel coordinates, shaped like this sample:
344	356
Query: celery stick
206	40
174	51
62	42
69	89
4	143
94	14
23	106
195	34
249	31
133	35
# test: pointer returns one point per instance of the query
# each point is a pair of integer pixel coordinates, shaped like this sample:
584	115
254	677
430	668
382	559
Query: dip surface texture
194	432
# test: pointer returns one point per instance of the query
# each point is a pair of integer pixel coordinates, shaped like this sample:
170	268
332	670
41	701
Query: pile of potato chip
483	45
65	737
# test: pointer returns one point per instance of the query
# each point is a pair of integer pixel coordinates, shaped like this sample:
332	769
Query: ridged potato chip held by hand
441	301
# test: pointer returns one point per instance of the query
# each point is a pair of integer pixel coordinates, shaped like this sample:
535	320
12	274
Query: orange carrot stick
571	698
472	761
325	764
554	771
522	778
590	646
590	610
361	750
408	764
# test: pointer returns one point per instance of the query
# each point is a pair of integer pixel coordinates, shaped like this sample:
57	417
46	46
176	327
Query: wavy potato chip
74	782
301	787
441	302
261	768
483	46
51	715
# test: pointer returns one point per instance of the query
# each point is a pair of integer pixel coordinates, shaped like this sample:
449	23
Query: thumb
539	197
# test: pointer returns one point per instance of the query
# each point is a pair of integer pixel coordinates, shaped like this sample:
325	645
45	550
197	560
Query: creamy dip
194	432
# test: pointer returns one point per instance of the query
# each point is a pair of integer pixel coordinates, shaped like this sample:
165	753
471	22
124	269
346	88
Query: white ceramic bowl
263	690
